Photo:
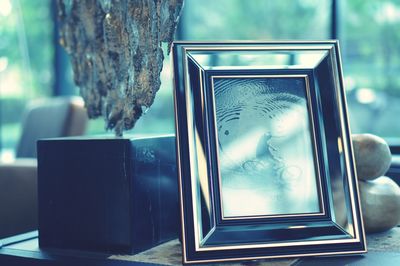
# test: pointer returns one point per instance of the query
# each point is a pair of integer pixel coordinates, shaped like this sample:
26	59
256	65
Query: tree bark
115	49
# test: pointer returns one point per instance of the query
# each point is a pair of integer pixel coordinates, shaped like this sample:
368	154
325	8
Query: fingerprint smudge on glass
266	159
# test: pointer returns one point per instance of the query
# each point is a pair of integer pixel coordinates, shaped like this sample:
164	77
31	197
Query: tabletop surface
383	249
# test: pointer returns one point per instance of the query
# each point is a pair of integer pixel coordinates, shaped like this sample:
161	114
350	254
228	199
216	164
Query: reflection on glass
266	160
258	59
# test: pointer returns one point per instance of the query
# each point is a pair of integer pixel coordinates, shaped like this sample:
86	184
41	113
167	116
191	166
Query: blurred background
33	65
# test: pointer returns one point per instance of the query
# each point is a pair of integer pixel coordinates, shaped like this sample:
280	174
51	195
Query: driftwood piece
115	49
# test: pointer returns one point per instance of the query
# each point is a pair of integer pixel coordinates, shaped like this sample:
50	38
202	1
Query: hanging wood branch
115	49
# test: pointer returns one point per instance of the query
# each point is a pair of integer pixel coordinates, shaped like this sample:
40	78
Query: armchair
54	117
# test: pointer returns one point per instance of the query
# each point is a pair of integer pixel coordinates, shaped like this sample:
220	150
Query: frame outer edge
178	155
346	129
351	151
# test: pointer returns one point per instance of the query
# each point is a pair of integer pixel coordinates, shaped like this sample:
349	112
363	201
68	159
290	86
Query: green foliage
26	66
26	43
255	19
8	110
371	35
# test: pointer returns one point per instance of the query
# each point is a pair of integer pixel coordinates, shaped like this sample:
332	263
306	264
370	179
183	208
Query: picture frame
264	151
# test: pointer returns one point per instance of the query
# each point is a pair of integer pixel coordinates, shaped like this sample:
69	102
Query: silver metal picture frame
265	161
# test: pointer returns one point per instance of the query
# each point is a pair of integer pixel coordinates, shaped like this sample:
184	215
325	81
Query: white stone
380	203
372	156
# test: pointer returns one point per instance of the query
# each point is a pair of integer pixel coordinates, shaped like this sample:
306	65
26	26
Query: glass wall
255	20
369	32
26	62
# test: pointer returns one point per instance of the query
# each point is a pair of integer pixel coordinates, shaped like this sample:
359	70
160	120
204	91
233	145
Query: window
26	54
370	42
255	20
367	30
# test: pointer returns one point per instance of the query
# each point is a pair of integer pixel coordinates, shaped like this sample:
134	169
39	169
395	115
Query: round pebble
372	156
380	203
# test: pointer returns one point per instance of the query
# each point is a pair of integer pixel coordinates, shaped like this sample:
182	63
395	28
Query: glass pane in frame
265	149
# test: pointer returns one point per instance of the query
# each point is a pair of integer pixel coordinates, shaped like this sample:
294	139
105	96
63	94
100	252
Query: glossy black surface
109	195
208	236
23	250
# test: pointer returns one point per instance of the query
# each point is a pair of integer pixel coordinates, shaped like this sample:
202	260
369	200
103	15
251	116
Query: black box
111	195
